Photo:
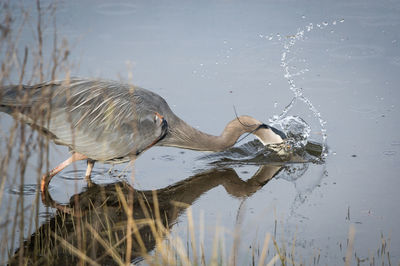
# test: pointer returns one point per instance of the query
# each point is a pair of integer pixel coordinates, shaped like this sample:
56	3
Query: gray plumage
104	120
112	122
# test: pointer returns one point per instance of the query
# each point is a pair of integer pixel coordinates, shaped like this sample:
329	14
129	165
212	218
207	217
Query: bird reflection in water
93	226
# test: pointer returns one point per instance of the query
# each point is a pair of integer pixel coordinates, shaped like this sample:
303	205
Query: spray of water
296	127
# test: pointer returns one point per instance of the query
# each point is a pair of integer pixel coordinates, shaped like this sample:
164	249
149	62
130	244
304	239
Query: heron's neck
182	135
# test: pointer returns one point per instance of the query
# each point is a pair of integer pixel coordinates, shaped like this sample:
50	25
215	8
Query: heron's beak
269	135
278	132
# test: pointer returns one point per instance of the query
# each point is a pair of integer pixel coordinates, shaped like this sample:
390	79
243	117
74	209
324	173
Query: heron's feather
100	119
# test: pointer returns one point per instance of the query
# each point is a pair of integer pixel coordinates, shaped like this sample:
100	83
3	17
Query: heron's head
269	135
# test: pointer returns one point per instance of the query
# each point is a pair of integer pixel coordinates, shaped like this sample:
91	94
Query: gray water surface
204	57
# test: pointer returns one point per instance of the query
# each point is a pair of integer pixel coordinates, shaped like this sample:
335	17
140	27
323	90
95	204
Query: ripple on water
46	214
76	175
389	153
167	158
357	51
27	189
116	9
396	143
72	175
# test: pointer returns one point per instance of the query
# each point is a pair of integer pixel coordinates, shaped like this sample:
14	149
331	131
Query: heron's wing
101	119
105	139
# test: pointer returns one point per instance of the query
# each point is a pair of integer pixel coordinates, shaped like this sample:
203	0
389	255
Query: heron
113	122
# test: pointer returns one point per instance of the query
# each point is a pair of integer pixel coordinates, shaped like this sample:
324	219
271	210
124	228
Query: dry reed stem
40	40
201	240
214	260
129	213
350	245
129	227
109	249
264	249
192	234
180	249
82	256
293	247
273	260
281	256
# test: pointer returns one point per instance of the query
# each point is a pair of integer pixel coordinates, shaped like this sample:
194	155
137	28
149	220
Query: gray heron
111	122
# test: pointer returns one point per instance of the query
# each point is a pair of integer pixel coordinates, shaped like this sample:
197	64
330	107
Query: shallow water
340	74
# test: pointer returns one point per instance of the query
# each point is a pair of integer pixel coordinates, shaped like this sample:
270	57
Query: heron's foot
44	185
43	182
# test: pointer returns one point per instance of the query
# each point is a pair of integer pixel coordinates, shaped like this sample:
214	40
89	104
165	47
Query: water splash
255	153
297	130
287	57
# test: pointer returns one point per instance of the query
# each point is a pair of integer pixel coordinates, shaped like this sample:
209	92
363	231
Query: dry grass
120	225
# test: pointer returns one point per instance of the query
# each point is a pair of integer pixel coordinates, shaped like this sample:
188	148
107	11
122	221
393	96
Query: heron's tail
14	96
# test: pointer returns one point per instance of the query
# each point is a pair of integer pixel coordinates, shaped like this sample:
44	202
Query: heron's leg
47	177
90	165
132	165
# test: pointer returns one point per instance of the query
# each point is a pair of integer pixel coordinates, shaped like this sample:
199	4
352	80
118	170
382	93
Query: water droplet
303	17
